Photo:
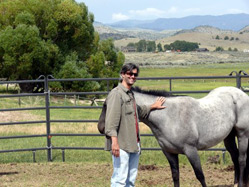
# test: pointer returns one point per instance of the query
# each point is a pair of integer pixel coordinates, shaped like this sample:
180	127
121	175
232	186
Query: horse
187	125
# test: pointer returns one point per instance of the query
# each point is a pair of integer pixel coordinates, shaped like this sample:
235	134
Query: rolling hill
228	22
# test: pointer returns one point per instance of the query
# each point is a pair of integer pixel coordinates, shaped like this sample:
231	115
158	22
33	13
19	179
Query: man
121	125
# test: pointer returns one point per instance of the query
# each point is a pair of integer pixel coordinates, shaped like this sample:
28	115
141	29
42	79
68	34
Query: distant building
202	50
128	49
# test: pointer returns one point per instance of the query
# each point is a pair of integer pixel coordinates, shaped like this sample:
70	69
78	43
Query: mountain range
233	22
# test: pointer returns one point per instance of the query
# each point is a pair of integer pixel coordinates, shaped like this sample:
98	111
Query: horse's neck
144	99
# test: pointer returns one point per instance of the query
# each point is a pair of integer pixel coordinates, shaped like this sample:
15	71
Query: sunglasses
130	74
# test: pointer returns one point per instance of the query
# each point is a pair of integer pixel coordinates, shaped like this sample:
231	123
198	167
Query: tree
141	46
106	62
219	49
226	38
167	47
76	69
159	47
43	33
184	46
131	44
217	37
151	46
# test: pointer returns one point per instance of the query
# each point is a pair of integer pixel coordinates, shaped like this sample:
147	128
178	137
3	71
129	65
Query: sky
110	11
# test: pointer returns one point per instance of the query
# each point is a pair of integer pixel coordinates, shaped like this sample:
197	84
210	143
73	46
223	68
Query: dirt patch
148	167
93	174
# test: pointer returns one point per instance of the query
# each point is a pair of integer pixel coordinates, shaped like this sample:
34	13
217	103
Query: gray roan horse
187	125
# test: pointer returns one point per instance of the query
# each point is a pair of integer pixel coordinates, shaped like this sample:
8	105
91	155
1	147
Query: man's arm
113	115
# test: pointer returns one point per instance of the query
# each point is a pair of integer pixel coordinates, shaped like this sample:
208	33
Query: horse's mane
153	92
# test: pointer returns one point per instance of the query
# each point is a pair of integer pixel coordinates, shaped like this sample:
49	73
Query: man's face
129	78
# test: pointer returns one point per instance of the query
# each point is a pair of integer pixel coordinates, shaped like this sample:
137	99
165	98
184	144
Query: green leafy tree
106	62
159	47
73	68
217	37
131	44
184	46
36	36
219	49
167	47
141	46
151	46
226	38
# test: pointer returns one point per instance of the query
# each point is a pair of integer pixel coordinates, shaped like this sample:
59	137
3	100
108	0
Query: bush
226	38
219	49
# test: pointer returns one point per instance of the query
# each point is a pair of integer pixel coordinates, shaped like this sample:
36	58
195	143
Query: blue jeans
125	169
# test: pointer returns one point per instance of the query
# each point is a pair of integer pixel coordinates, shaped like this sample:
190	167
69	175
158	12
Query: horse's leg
174	165
246	182
231	147
242	144
194	159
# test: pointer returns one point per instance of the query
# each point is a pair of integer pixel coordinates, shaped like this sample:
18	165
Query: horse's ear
101	122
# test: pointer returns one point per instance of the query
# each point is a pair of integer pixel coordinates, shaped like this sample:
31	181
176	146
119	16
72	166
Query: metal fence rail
45	80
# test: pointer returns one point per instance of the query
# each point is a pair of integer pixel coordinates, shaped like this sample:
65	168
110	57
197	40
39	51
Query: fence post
19	98
170	84
238	78
47	95
108	86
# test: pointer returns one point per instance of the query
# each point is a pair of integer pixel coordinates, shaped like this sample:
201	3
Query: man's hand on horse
159	103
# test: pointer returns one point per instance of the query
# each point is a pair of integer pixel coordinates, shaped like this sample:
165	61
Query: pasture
93	168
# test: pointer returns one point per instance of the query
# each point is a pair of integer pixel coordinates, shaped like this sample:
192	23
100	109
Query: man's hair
129	67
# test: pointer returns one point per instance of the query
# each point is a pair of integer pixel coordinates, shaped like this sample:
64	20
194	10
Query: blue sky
109	11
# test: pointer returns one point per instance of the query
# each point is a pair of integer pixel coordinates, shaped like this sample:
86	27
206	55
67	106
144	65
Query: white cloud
147	12
173	10
192	10
235	11
119	17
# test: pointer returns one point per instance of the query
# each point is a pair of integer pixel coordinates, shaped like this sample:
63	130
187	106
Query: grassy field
148	157
93	167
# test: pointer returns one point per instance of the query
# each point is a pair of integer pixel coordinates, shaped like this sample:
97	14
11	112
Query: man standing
121	125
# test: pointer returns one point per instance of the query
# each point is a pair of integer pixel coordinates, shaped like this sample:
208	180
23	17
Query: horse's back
241	103
233	91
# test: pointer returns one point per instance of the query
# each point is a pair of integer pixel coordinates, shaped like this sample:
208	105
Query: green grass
147	157
195	70
189	71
